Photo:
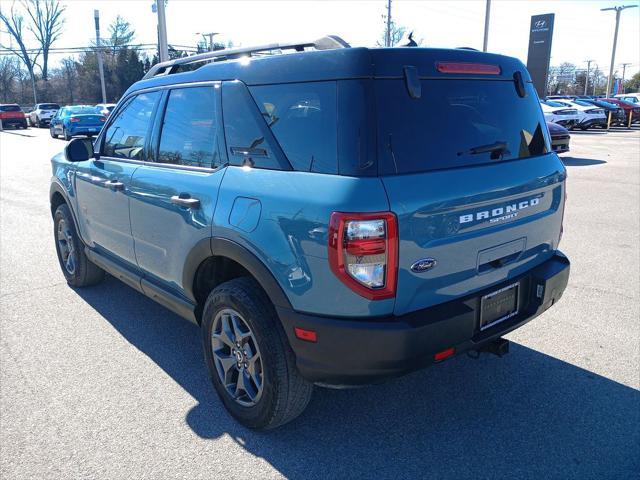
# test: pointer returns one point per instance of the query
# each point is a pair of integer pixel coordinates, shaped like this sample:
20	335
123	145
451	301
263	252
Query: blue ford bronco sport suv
332	216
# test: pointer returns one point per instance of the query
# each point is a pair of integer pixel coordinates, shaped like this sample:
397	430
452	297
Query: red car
627	107
12	114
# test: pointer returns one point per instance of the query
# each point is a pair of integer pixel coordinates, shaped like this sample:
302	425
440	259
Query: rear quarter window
302	117
452	118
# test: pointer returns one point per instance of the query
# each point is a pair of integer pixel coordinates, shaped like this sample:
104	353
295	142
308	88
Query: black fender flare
224	247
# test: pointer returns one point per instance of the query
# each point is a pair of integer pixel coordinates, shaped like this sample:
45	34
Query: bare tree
14	23
9	72
46	26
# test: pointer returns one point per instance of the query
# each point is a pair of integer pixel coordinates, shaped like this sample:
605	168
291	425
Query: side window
126	135
249	140
303	119
188	135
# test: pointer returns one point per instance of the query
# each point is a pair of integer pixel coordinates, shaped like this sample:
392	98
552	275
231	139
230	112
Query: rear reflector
444	354
476	68
306	335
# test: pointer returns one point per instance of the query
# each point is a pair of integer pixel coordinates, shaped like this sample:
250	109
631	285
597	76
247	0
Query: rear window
456	123
49	106
81	110
10	108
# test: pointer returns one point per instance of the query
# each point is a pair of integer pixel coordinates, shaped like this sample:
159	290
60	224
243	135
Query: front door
103	186
173	199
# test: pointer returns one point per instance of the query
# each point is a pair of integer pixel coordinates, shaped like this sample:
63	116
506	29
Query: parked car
105	108
330	227
560	137
629	97
589	115
617	113
41	115
76	120
559	113
12	115
628	108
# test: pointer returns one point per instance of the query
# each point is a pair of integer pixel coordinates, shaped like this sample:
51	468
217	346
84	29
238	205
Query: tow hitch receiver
499	347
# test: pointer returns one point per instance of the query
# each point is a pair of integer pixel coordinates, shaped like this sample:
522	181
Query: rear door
467	171
103	186
173	198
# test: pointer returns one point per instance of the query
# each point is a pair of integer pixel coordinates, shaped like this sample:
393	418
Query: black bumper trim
362	351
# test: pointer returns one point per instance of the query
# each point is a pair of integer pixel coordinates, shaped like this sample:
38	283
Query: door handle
185	201
114	185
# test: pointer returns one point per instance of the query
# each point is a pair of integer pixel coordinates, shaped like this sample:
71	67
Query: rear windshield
10	108
81	110
456	123
49	106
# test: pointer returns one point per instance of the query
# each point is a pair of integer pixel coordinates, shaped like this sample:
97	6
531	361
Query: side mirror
79	150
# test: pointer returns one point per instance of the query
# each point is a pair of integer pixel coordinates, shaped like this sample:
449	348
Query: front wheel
249	359
53	135
65	134
78	270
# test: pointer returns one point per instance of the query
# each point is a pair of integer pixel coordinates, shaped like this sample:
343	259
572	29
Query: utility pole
596	74
586	80
210	37
624	69
163	48
487	14
615	41
96	17
387	40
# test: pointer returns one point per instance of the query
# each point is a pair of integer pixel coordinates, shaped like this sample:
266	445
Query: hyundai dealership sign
540	35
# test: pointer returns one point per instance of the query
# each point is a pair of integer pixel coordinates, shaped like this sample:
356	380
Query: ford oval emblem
423	265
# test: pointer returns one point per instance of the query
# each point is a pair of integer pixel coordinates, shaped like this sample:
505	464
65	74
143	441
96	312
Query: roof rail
166	68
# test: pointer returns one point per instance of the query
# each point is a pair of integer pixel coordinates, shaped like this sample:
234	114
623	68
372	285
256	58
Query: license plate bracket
498	306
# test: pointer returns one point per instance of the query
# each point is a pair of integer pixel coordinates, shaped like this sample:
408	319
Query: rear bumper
14	121
593	122
560	144
352	352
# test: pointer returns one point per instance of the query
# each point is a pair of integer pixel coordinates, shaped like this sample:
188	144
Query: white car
629	97
105	108
589	115
42	114
560	114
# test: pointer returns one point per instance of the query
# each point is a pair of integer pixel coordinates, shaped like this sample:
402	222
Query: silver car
42	114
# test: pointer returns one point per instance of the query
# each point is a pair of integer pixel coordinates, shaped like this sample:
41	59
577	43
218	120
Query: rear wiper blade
496	149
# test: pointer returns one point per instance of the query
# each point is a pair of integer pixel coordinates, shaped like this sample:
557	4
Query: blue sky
582	31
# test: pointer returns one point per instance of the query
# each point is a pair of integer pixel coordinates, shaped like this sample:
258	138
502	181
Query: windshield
552	103
456	123
10	108
583	103
49	106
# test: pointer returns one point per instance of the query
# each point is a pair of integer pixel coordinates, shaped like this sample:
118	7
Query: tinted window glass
456	123
126	135
302	117
249	140
81	110
49	106
189	128
10	108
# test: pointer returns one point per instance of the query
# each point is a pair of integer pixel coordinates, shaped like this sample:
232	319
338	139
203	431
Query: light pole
586	80
163	47
624	69
96	17
615	41
487	14
387	40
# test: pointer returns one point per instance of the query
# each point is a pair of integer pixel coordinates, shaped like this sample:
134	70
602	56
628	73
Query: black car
618	116
559	137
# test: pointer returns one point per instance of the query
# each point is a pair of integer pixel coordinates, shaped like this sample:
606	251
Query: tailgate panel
481	224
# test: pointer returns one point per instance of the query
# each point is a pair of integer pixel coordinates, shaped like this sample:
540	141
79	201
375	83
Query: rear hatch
464	157
89	120
11	111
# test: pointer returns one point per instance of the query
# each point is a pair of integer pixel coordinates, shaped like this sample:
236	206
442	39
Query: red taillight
474	68
74	119
444	354
363	252
103	119
306	335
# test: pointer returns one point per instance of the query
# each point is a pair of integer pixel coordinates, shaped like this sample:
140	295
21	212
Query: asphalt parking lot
104	383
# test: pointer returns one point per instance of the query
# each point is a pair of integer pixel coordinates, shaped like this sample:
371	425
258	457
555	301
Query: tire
65	135
84	272
53	135
37	123
285	394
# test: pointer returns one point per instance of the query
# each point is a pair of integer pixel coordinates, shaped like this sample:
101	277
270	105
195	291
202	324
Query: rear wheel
65	134
249	359
53	135
76	267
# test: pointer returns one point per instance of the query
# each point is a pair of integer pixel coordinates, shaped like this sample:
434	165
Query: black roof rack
166	68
